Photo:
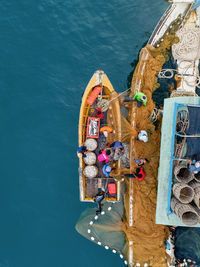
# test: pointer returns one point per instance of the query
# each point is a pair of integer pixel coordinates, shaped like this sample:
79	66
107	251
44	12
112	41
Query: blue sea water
49	49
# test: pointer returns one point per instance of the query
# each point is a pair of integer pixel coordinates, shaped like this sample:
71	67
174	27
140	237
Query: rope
187	52
154	115
109	101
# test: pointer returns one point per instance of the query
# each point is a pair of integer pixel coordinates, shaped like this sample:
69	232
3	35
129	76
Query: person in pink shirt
104	156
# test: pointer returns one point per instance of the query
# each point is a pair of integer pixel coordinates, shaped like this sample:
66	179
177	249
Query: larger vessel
168	67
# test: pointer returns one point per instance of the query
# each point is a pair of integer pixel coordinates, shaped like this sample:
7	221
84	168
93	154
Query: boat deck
166	160
92	185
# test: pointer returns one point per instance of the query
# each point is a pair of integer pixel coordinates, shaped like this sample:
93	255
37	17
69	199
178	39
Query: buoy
93	95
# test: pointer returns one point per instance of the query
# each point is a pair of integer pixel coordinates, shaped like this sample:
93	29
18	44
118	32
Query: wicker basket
91	144
197	196
182	174
194	184
183	192
185	212
90	158
91	171
197	177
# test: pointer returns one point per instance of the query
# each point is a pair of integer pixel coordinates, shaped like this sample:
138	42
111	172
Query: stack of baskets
91	169
186	195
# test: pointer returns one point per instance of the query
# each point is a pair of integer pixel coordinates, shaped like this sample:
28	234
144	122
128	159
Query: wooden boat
108	101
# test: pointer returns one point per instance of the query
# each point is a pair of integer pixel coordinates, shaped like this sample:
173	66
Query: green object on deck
140	97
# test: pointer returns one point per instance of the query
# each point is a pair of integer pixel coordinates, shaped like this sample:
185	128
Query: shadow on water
133	66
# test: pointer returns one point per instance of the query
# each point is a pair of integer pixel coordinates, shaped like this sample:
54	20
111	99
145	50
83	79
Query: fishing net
147	237
107	228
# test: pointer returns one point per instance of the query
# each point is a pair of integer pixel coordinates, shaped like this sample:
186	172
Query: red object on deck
93	125
99	113
112	190
140	175
92	97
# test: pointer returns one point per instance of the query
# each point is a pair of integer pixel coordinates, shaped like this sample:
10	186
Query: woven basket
197	177
91	171
197	196
183	192
182	174
185	212
91	144
194	184
90	158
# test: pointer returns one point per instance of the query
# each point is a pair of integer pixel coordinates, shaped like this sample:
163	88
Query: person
194	167
106	130
81	151
139	97
98	199
99	113
141	162
118	150
104	156
143	136
107	169
117	145
139	174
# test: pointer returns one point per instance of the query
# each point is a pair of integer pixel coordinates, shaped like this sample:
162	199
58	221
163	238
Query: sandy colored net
147	237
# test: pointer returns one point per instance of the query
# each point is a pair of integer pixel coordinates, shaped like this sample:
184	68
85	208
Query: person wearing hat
81	151
107	170
104	156
99	113
141	162
139	97
139	174
194	167
143	136
106	130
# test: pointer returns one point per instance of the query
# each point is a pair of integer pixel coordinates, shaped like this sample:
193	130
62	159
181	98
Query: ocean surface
49	50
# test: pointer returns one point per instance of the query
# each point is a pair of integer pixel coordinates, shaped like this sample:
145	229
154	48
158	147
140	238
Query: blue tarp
193	143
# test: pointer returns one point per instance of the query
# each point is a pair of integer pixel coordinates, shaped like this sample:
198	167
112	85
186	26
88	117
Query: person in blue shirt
194	167
81	151
107	170
117	145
